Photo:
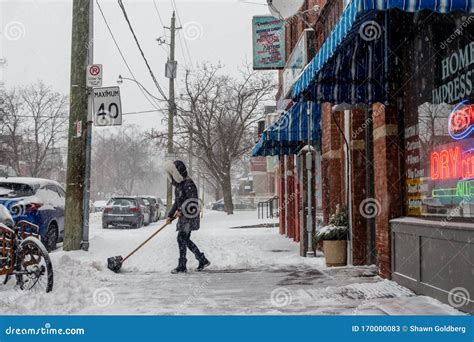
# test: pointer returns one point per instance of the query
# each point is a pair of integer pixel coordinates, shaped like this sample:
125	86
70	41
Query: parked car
154	208
162	205
238	205
39	201
147	208
125	211
99	206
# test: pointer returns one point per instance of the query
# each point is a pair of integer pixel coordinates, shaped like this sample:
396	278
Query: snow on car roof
28	181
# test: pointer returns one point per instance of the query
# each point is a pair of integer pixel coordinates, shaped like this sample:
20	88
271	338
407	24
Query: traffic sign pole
87	176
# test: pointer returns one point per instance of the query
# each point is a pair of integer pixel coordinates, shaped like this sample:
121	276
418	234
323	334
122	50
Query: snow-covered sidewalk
253	271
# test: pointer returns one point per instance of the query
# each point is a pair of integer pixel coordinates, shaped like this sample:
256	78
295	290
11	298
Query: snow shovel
115	263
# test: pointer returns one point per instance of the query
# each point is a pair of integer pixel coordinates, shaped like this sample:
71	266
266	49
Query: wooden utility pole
76	159
171	106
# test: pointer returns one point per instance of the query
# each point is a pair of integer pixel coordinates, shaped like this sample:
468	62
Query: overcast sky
39	42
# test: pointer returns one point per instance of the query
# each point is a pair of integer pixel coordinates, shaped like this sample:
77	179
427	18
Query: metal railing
268	208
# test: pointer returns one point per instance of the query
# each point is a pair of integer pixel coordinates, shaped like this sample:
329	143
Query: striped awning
290	131
350	22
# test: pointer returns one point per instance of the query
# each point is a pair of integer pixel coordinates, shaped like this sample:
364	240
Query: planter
335	252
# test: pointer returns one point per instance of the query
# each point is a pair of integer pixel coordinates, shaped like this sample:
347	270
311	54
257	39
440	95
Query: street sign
78	129
171	69
107	106
94	75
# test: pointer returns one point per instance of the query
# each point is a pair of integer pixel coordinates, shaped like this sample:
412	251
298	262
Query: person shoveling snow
186	209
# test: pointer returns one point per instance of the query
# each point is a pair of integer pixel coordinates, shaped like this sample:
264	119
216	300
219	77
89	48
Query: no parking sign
94	75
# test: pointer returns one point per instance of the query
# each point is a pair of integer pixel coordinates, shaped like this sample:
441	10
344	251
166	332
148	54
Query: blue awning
290	131
351	20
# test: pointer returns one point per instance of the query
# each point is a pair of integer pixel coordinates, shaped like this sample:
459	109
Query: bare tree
12	122
121	161
216	113
33	128
45	127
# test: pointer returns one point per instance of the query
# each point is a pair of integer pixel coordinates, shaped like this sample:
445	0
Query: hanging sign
268	43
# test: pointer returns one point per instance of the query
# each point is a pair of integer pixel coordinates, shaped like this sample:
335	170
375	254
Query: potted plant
334	237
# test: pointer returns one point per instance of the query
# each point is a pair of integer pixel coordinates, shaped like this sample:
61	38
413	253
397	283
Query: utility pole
78	117
171	68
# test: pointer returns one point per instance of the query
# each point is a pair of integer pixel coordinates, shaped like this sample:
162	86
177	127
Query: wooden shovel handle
144	242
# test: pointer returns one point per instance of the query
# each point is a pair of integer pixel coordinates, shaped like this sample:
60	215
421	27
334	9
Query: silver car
125	212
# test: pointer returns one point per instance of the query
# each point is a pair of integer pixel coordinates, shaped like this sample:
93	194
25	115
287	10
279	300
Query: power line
175	7
183	52
122	55
162	26
141	51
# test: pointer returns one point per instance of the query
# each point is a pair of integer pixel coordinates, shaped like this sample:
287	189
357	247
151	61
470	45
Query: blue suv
39	201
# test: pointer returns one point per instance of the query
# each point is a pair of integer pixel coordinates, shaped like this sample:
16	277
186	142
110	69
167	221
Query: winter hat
181	168
176	170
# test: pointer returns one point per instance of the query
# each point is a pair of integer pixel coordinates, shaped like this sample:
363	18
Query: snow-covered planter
334	237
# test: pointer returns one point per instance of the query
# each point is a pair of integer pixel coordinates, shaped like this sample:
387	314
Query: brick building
390	85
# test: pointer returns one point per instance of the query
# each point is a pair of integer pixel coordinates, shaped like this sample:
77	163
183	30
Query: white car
98	206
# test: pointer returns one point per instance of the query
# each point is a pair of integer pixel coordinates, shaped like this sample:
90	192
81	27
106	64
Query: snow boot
203	262
181	266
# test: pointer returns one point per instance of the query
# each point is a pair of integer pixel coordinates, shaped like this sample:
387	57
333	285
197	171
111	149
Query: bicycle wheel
7	244
33	268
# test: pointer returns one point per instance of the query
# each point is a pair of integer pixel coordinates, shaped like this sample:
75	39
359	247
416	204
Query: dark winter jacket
186	197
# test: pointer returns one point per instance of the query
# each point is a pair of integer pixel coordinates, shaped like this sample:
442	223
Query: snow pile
248	266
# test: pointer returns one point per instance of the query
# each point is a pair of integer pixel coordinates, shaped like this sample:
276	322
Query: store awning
355	21
288	133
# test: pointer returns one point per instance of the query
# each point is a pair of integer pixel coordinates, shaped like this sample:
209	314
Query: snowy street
253	271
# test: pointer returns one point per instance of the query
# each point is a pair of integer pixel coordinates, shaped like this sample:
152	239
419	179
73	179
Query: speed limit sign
107	107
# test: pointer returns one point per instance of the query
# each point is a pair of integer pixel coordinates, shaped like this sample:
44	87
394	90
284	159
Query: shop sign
296	62
268	35
454	162
457	75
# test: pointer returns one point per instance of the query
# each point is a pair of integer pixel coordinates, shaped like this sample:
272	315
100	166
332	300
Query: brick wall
291	198
281	195
332	165
388	179
358	184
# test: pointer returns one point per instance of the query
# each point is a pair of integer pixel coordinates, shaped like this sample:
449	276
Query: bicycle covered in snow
23	255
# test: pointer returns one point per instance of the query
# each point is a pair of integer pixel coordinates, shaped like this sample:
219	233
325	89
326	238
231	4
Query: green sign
268	43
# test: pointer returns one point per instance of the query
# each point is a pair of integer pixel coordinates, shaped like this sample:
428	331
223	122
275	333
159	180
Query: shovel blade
115	264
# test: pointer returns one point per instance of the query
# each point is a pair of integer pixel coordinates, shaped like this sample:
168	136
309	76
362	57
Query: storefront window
439	123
